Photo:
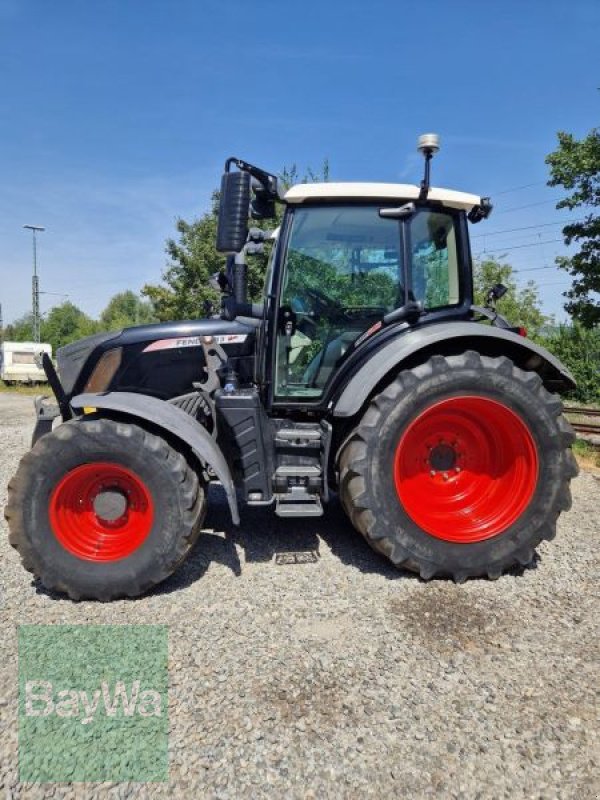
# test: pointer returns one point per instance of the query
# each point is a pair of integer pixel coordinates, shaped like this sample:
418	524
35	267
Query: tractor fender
175	421
446	338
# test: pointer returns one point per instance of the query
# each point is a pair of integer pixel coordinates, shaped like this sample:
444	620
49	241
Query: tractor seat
320	368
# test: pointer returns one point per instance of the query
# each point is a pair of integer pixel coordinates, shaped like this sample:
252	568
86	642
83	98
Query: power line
112	282
546	265
516	247
526	228
554	283
535	269
518	188
529	205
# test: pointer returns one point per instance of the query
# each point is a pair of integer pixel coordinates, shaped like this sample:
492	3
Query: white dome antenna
428	144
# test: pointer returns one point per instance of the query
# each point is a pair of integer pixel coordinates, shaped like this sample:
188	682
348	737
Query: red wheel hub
101	512
466	469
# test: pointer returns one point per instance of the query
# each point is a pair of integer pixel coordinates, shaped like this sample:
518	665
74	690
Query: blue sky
116	117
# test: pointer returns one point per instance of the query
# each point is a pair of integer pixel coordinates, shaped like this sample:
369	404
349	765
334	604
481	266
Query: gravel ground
344	678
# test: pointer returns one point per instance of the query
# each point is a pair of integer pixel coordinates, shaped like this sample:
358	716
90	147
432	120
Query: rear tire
459	468
102	509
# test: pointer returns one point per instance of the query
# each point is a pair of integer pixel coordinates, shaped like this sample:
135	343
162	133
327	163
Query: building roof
378	191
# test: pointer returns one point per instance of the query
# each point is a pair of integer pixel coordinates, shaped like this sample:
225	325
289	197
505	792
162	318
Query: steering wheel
324	303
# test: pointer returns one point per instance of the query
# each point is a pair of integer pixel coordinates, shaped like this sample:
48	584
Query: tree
125	309
193	259
575	165
519	305
63	324
66	323
21	330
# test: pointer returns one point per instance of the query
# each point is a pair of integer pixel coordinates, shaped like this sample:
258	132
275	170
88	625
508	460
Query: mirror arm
269	181
231	309
398	213
494	317
240	276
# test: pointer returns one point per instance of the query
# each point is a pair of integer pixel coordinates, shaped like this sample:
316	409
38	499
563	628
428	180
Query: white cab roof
378	191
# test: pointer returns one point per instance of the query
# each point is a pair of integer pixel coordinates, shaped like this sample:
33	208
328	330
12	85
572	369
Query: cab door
342	271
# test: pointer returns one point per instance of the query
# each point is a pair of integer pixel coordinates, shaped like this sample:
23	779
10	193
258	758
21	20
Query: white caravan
20	362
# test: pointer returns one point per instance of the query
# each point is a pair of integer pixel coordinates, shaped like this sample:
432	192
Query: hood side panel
164	360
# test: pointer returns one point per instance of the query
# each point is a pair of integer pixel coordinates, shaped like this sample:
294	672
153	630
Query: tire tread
354	466
192	498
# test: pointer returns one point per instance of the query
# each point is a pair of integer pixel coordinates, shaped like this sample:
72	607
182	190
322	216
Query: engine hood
143	368
71	358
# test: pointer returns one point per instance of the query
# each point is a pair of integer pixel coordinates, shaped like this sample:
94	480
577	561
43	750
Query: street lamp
35	287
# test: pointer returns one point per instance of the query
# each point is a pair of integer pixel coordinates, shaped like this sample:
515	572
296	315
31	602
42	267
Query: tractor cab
350	261
353	255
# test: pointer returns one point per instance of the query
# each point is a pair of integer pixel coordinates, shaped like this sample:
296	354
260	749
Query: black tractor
366	370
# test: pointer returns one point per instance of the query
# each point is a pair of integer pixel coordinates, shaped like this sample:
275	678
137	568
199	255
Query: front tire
459	468
102	509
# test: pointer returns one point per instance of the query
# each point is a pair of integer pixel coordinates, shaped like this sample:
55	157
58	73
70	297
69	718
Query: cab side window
434	259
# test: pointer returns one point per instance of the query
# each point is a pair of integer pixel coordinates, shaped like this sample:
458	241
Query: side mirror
497	291
481	211
440	238
232	226
262	205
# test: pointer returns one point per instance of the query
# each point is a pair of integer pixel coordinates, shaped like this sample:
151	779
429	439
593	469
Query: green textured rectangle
93	703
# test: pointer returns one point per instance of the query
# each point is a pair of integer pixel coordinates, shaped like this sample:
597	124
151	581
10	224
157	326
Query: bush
579	350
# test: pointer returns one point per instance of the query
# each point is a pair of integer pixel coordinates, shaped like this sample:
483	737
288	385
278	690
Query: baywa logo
41	702
93	703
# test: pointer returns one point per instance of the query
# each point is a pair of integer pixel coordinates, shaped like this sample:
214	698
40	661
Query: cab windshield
344	270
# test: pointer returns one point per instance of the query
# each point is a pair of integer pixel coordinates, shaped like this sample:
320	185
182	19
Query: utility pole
35	286
1	325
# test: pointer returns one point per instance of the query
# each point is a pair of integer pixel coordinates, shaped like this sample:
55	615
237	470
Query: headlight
104	371
72	358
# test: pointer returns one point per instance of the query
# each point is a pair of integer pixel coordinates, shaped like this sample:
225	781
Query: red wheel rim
101	512
466	469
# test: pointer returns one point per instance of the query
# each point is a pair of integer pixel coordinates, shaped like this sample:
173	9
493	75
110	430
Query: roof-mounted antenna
428	144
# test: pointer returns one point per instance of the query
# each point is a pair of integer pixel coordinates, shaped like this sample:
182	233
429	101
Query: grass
587	455
26	388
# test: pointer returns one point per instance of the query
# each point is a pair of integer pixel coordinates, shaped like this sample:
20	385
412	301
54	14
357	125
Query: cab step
301	456
298	503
